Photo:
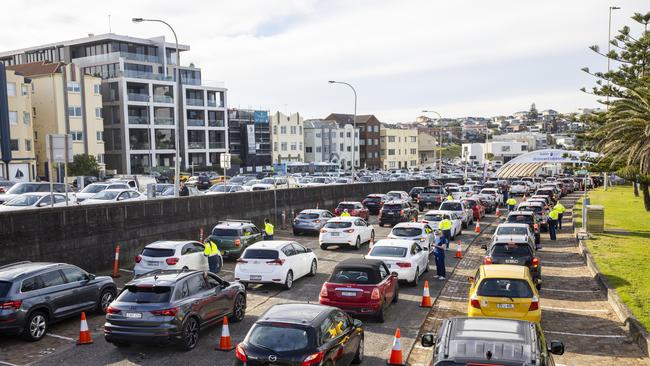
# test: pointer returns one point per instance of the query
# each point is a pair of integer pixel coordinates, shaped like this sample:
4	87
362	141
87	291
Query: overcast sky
461	58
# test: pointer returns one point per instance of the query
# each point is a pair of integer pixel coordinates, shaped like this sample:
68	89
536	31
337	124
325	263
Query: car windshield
373	199
518	183
145	294
512	230
504	287
432	190
406	231
94	188
237	180
252	182
308	216
451	206
105	195
393	207
342	180
219	188
520	219
279	337
530	208
268	181
544	192
338	224
158	252
511	250
23	200
394	194
4	288
349	206
434	217
319	180
382	251
350	276
225	232
252	253
488	191
21	188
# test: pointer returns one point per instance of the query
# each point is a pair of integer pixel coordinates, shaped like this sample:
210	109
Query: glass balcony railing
216	123
217	145
194	101
163	99
190	81
136	120
138	97
197	144
163	120
164	145
140	57
195	122
145	75
214	103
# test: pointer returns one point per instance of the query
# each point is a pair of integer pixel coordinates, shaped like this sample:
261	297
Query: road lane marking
561	290
570	309
126	270
59	336
456	281
453	297
586	335
5	363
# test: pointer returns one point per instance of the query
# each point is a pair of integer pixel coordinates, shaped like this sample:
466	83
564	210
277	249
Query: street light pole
179	104
609	47
354	124
439	143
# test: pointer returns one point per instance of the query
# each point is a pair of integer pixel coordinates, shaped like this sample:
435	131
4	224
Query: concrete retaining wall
87	235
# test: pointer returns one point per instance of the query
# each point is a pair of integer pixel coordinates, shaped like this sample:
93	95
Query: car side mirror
427	340
394	274
556	348
91	276
470	279
357	323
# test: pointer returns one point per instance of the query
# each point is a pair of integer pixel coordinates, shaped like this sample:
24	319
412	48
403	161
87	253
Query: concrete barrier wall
87	235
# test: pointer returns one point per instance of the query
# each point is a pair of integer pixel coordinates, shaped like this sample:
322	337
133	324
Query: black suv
171	306
522	254
302	334
464	341
397	211
34	295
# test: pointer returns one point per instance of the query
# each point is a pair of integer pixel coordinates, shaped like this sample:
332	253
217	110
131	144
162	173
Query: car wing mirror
357	323
394	274
91	276
470	279
556	348
484	246
427	340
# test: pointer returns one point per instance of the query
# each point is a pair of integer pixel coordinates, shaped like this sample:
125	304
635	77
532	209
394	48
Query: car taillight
323	291
239	260
534	304
487	260
237	242
317	221
403	264
381	203
535	262
165	312
424	221
138	258
240	354
276	262
323	231
475	303
172	261
313	359
349	231
422	239
375	294
11	305
112	310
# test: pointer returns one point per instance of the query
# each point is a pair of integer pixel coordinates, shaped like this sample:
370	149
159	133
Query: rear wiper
265	347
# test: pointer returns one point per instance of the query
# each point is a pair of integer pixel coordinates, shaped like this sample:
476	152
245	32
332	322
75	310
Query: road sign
224	161
55	147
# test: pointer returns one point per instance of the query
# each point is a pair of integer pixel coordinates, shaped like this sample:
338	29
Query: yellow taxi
504	291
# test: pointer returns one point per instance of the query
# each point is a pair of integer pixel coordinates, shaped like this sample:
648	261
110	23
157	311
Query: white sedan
94	188
418	232
171	255
350	231
114	195
33	200
405	257
275	261
434	217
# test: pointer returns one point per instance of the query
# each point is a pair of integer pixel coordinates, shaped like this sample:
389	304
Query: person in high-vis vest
445	227
268	230
511	202
211	251
560	210
450	197
345	213
553	216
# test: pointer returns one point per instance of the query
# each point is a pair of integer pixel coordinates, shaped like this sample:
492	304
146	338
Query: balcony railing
163	99
190	81
163	120
216	123
138	97
195	122
140	57
214	103
194	101
136	120
217	145
145	75
140	145
197	144
164	145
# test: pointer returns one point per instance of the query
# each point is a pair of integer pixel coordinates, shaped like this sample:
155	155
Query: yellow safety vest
345	214
445	224
511	202
450	198
559	208
210	248
554	215
268	228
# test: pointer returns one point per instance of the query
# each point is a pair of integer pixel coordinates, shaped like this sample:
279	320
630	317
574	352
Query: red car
361	287
477	208
355	208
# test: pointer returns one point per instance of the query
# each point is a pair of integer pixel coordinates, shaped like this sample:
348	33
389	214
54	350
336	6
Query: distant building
502	151
563	141
250	138
427	145
288	138
533	141
330	142
399	147
369	128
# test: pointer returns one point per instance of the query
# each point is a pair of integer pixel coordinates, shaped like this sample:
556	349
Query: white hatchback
405	257
433	218
350	231
114	195
170	254
418	232
275	261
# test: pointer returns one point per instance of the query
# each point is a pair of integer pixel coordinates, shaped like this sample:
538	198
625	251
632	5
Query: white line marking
560	262
7	363
570	309
456	281
59	336
453	297
126	270
560	290
586	335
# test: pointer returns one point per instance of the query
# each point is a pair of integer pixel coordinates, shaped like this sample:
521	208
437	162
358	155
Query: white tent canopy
528	164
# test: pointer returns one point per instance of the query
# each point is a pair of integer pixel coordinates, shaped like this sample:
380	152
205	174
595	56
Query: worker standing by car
268	230
445	226
345	213
184	191
214	256
552	222
560	210
439	253
511	202
504	193
450	197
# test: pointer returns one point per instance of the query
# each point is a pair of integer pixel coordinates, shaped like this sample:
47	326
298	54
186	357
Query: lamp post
439	144
179	104
609	47
354	124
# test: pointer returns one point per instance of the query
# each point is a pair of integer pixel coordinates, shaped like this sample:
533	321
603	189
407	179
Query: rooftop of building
37	68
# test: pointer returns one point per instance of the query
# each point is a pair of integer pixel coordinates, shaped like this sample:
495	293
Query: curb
636	330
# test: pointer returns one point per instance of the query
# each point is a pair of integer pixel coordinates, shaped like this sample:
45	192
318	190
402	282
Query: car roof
507	238
504	271
402	243
436	212
349	202
168	244
517	213
161	277
232	224
15	270
419	225
313	211
39	193
296	313
372	264
270	244
376	195
343	218
531	203
515	224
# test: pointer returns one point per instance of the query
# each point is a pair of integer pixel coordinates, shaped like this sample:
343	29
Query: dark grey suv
172	306
34	295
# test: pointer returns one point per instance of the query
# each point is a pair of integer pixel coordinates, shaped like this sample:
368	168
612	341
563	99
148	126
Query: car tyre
372	237
357	244
105	298
296	233
190	334
416	279
426	269
323	247
464	225
358	357
381	315
288	282
396	297
313	269
36	326
238	309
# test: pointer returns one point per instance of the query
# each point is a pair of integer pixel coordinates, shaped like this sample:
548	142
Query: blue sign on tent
261	117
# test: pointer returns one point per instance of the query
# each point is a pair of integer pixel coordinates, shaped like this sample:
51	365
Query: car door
346	339
191	257
422	257
123	196
361	229
293	261
302	258
201	260
85	292
221	299
202	303
60	295
59	200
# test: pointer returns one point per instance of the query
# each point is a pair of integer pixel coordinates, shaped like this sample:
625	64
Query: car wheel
357	244
426	269
416	279
314	268
190	334
323	247
381	224
238	309
381	316
35	326
396	297
295	233
105	298
372	237
358	357
288	282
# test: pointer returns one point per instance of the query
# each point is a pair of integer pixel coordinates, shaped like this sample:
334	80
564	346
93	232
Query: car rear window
530	208
158	252
350	276
432	190
434	217
225	232
451	206
260	254
511	250
343	206
308	216
393	207
520	219
279	337
504	287
470	203
373	199
544	192
512	230
4	288
406	231
381	251
338	224
143	295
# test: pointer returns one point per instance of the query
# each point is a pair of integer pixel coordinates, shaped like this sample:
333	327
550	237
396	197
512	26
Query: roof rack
14	264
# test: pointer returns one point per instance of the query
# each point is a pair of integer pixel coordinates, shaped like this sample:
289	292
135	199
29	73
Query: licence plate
153	264
134	315
511	261
256	278
505	306
335	234
348	293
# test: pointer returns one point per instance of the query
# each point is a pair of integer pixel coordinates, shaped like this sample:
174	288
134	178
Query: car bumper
163	334
404	274
531	316
11	323
272	277
353	308
392	219
306	229
336	240
231	252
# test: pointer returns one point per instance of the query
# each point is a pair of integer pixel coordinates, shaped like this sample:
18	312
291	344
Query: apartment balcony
217	145
168	121
163	99
138	97
140	57
216	123
193	122
145	75
196	144
194	102
190	81
137	120
214	103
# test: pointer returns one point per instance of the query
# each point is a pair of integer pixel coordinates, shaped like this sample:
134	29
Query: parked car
458	342
233	236
507	230
545	191
517	251
431	197
23	187
405	257
504	291
310	221
478	211
495	193
394	212
539	209
348	231
519	188
374	202
418	232
302	334
34	200
414	192
164	307
433	218
487	201
361	286
5	185
94	188
224	188
460	209
398	195
35	295
275	261
526	217
113	196
171	254
355	208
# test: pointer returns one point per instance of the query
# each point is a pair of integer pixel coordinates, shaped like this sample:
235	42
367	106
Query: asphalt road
58	347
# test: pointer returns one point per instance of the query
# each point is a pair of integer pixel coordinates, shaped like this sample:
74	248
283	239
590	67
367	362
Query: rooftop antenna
109	24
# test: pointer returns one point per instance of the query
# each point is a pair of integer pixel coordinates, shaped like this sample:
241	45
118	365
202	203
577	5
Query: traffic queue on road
173	294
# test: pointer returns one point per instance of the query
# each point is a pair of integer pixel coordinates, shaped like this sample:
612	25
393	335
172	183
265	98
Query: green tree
83	164
533	115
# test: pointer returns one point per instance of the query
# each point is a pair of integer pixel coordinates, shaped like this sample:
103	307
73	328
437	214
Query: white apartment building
503	151
288	138
328	141
533	140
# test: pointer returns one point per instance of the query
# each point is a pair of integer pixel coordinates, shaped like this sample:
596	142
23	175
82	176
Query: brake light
323	231
276	262
323	291
535	262
11	305
313	359
534	304
237	242
317	221
348	231
165	312
475	303
239	260
172	261
112	310
487	260
403	264
425	221
375	294
381	203
138	258
240	354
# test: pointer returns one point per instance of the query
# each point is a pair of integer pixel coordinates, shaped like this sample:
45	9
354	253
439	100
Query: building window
11	89
340	147
100	158
318	134
294	147
24	89
74	87
34	111
414	151
505	148
300	146
28	145
77	135
283	146
100	136
362	142
300	130
414	162
275	130
26	118
318	149
414	139
275	146
283	130
14	145
97	89
341	134
293	130
35	136
391	138
391	151
308	149
98	112
13	117
348	134
391	164
349	148
376	127
74	111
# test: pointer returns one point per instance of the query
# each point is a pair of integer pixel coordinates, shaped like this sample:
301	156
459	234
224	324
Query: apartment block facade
399	147
288	138
330	142
369	129
249	134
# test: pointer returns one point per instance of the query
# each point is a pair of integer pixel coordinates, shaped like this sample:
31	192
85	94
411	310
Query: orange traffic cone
225	343
426	297
84	333
498	211
396	352
477	229
459	251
